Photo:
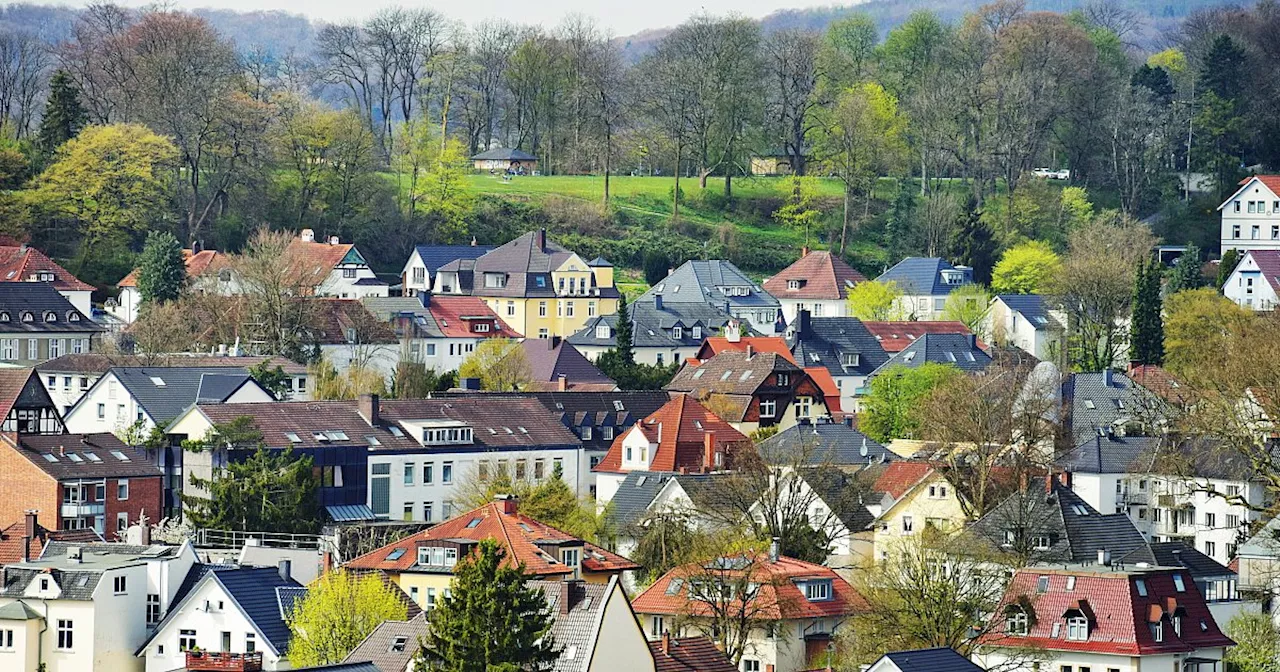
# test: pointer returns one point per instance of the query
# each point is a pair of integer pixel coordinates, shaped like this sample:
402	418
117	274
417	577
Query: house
1258	560
69	377
806	604
400	459
419	272
843	346
1191	491
556	365
23	263
27	538
925	283
688	654
1255	282
894	336
87	607
348	335
333	268
821	377
720	284
392	646
536	286
1217	583
753	390
228	613
907	498
1109	402
958	350
79	481
940	659
506	160
37	323
682	435
827	443
1024	321
777	161
1105	616
439	331
27	407
208	272
662	333
423	564
1251	216
151	397
818	282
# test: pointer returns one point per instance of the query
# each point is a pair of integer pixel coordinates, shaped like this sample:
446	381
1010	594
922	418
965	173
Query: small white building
208	272
1251	216
1025	322
925	283
1255	281
338	269
419	272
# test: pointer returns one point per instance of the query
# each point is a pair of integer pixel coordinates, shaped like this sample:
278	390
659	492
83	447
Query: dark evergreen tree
1156	80
64	116
656	266
622	337
266	492
1186	272
491	620
975	245
162	272
1230	259
1146	344
1223	71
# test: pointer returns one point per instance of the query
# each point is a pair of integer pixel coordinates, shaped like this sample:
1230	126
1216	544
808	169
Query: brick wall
146	495
25	486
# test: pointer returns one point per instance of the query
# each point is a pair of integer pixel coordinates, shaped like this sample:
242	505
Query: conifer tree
162	271
1146	327
622	342
64	116
1230	259
975	245
1186	272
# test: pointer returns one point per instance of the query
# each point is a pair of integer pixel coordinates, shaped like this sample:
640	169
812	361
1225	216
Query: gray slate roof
932	660
75	585
958	350
578	627
654	328
549	358
253	589
634	495
17	298
824	341
1104	400
183	386
435	256
1115	454
922	276
700	280
1032	307
379	648
1179	554
342	667
832	443
1264	544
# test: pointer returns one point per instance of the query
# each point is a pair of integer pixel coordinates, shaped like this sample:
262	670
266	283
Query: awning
349	513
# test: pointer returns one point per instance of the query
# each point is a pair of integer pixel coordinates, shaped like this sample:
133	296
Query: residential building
27	407
925	283
683	435
837	444
27	538
1106	617
720	284
818	282
805	605
1108	402
392	646
1173	491
777	344
662	333
1251	216
440	331
208	272
907	498
556	365
337	269
78	481
958	350
419	272
506	160
23	263
37	324
1258	560
940	659
1217	583
87	607
645	495
1026	322
688	654
753	390
536	286
348	335
778	161
1255	282
895	336
148	397
69	377
228	613
843	346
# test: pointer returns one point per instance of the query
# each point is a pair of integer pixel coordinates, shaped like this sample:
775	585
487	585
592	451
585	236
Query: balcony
82	509
1134	498
202	661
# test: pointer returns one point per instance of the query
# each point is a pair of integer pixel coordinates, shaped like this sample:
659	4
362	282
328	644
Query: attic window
157	381
793	284
46	276
93	457
526	528
50	316
617	405
726	375
4	316
320	436
1120	404
120	456
1042	584
293	437
1088	403
395	554
1079	509
745	375
1071	583
471	524
969	356
50	457
338	436
909	356
677	333
395	431
74	458
698	374
602	330
73	316
1142	587
674	587
1178	584
27	316
398	644
372	440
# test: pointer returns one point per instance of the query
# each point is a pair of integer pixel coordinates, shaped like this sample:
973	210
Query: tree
499	363
1026	268
622	338
1186	272
733	594
357	379
1230	259
266	492
162	271
665	540
968	304
974	244
443	191
890	409
791	62
1257	646
273	274
800	209
491	620
874	300
339	610
1200	325
272	378
1146	327
548	500
64	116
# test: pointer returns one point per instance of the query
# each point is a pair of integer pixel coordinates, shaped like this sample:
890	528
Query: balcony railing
206	538
217	661
83	509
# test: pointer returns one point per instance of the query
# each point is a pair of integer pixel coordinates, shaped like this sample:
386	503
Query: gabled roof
197	264
1103	400
520	536
827	341
922	276
1268	263
21	263
956	350
576	628
318	259
255	591
1179	554
504	154
1198	458
655	328
18	300
435	256
732	372
894	336
345	321
688	654
942	659
680	428
834	443
11	540
455	315
1271	182
16	384
550	358
392	644
1032	307
700	280
64	456
820	274
98	363
164	393
901	477
634	495
714	345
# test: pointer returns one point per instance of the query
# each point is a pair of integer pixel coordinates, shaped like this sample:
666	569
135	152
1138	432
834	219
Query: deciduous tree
499	363
339	610
874	300
891	408
1025	269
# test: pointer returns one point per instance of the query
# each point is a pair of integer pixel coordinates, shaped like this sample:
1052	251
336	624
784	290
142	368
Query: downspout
40	638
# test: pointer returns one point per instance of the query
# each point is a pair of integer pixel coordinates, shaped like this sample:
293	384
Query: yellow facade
931	503
563	314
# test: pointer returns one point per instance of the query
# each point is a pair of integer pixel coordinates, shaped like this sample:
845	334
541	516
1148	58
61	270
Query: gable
353	257
1257	187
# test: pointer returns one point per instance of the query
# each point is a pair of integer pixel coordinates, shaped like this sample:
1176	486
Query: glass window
1077	628
66	635
408	474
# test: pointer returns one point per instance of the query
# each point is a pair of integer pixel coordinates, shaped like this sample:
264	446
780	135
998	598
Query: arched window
73	316
27	316
50	316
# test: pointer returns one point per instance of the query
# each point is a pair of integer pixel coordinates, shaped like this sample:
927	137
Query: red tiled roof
830	391
19	262
454	315
715	345
518	534
679	428
1272	182
1119	615
1158	379
11	540
321	257
689	654
197	264
333	317
896	336
1268	262
899	477
778	597
822	275
12	382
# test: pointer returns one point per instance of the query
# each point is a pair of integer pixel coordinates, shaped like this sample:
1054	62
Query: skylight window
395	431
726	375
397	646
969	356
338	436
674	587
157	381
473	523
395	554
372	440
1079	509
93	457
120	456
75	458
320	436
526	528
1142	587
698	374
293	437
1178	584
1088	403
951	356
50	457
745	375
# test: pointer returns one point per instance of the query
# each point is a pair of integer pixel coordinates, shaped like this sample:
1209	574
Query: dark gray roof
958	350
1106	399
380	647
1114	454
183	386
634	495
18	611
1031	306
504	154
549	358
66	456
343	667
435	256
578	627
701	280
619	409
20	300
346	513
922	276
288	598
825	443
840	490
825	341
932	660
253	589
1179	554
599	262
75	585
654	328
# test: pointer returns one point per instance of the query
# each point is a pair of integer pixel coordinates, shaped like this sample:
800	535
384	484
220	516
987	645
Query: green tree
64	116
1146	328
1200	325
271	378
162	272
491	620
340	609
499	363
968	304
664	540
1025	269
443	191
974	245
874	300
656	266
267	492
623	337
890	408
1186	272
800	211
1257	646
1230	259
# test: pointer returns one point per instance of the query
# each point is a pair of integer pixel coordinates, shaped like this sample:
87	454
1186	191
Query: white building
338	268
152	397
818	282
419	271
1026	323
1251	216
208	272
1255	280
90	607
925	283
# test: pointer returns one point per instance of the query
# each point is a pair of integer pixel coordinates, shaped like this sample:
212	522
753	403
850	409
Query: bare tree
274	275
791	62
99	59
24	68
731	596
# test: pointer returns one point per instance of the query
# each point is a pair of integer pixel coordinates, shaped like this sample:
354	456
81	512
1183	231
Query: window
784	379
446	473
677	333
1178	584
1235	228
408	474
816	591
9	349
122	522
1157	631
1142	587
426	511
1210	548
186	640
568	309
1077	628
1210	519
122	489
102	411
495	280
1042	584
1015	622
606	433
511	308
6	640
119	585
591	309
657	626
908	525
153	608
250	642
749	665
804	407
66	635
768	408
586	433
542	309
408	511
428	470
33	348
1237	206
1233	521
793	284
431	598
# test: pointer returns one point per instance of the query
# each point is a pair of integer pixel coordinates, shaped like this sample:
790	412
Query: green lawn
591	187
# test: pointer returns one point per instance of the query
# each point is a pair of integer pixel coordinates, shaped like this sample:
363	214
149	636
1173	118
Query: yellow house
422	565
914	497
537	287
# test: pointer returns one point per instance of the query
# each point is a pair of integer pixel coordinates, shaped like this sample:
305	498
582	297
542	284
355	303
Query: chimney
285	569
26	548
657	302
802	328
510	505
973	341
1104	557
848	421
562	383
666	643
333	240
569	591
732	331
553	342
1106	376
773	550
469	384
31	523
425	298
750	351
473	241
308	236
144	533
804	251
542	240
367	407
708	451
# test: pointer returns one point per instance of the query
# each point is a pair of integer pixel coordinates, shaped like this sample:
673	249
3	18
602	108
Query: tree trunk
844	229
924	174
728	185
702	178
675	195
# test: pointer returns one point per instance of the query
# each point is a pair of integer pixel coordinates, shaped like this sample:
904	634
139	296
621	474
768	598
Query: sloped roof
1106	399
64	456
900	477
164	393
335	317
12	384
11	540
454	315
18	263
700	280
98	363
1201	458
1268	262
255	590
1031	306
525	262
317	257
825	443
1179	554
197	264
380	647
732	372
38	298
654	328
579	627
922	276
549	358
504	154
956	350
821	275
824	341
714	345
679	428
634	495
688	654
894	336
942	659
435	256
517	533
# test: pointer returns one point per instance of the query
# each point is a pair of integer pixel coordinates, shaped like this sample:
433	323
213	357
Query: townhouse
419	273
208	272
957	350
720	284
818	282
925	283
1026	322
27	538
28	408
37	323
149	397
907	498
1251	216
843	346
536	286
1255	282
439	331
23	263
752	390
777	344
662	333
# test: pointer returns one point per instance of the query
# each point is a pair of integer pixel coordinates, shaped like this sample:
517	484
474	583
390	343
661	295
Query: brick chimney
30	517
510	505
666	643
542	240
367	407
26	548
804	251
562	383
570	592
708	451
750	351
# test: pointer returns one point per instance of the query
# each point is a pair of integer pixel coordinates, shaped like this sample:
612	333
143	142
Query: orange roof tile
821	274
830	391
197	264
455	315
518	534
18	263
899	477
715	345
680	429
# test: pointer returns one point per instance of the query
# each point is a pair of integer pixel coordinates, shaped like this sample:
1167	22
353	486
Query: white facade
1251	218
66	389
442	354
1008	326
924	308
816	307
82	299
1080	660
663	356
784	652
1249	287
380	357
211	619
109	407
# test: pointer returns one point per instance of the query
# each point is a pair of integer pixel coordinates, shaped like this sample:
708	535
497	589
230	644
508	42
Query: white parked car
1047	174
